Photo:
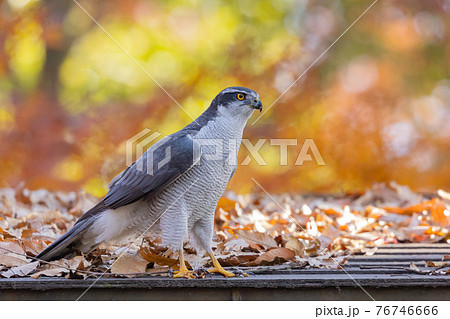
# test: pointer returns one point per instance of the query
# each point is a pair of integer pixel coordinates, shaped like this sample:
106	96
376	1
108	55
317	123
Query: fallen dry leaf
369	251
242	259
437	264
13	260
254	248
12	254
11	233
75	263
129	264
235	244
256	238
149	256
7	247
251	229
226	204
414	267
20	271
444	195
274	256
325	261
295	245
33	246
52	272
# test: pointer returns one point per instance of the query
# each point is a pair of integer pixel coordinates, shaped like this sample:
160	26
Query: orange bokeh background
376	104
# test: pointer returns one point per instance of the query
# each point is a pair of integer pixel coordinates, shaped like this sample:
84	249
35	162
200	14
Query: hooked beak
257	105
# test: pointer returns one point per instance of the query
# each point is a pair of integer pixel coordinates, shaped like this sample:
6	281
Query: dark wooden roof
386	275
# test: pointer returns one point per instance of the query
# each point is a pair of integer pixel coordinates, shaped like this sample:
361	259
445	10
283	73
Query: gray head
237	101
233	103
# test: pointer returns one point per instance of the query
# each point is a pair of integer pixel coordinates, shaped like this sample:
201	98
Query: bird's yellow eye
240	96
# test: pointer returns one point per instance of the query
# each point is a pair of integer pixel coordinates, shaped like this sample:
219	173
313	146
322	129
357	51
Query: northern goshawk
172	190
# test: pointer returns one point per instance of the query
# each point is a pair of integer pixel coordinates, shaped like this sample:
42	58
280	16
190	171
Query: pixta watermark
216	149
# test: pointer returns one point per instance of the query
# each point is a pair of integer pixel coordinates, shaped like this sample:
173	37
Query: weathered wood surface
387	270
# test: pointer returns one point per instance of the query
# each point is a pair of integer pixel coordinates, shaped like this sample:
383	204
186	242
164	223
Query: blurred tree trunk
40	116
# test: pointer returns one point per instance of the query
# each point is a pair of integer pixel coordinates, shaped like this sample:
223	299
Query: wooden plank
381	263
379	257
351	271
304	280
205	294
414	251
415	245
288	282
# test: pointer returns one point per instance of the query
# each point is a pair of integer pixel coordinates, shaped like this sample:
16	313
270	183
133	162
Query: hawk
172	190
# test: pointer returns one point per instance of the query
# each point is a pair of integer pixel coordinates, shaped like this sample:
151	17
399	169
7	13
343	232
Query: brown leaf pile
252	231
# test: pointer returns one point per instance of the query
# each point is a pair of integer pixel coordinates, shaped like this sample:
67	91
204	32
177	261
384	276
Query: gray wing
159	166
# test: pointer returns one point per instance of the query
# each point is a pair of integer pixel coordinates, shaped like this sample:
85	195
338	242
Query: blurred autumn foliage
376	104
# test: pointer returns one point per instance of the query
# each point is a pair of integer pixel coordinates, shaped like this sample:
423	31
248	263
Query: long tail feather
65	244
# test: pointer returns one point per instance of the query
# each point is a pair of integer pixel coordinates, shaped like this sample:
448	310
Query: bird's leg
183	272
217	267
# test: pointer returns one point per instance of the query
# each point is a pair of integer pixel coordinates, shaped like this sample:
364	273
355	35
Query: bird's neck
218	123
222	127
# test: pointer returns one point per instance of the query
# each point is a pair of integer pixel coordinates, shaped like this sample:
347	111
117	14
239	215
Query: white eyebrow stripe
232	90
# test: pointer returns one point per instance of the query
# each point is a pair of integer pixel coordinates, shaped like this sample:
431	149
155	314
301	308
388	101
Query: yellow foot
221	271
184	273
